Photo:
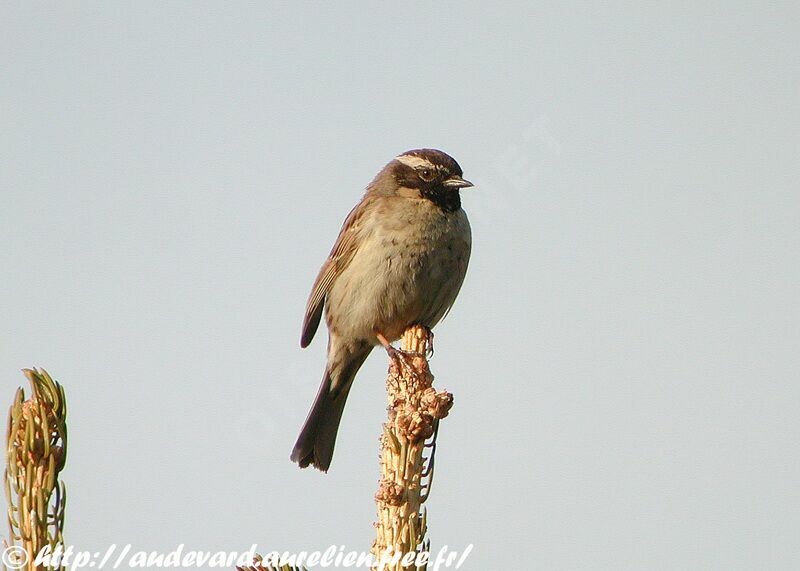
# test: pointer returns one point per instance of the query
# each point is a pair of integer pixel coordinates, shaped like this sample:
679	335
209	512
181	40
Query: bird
399	260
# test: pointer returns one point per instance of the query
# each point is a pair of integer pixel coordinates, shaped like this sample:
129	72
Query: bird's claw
403	359
429	342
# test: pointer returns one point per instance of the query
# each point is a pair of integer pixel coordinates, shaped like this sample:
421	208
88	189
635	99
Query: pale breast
408	268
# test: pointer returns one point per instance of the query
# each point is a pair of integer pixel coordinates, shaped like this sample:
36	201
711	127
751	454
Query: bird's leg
402	358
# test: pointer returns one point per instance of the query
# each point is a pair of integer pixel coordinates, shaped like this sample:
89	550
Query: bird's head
423	173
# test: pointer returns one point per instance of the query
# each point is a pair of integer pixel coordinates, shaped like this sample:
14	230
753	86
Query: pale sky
624	354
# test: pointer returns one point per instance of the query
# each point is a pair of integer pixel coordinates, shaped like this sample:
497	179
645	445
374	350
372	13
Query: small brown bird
399	260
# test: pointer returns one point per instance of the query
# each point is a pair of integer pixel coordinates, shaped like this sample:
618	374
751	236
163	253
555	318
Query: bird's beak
456	181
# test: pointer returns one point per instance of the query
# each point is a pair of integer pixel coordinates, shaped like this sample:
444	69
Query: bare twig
415	409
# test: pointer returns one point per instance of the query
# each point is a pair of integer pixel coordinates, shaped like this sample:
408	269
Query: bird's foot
402	359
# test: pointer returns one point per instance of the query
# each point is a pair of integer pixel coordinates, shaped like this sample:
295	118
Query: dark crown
436	158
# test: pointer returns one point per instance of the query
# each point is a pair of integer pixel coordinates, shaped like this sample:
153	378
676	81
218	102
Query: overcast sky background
624	354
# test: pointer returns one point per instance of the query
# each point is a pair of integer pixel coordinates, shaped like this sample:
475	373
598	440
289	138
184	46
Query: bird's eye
426	175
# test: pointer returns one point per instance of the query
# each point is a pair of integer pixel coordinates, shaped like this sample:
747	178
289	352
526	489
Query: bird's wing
462	270
338	260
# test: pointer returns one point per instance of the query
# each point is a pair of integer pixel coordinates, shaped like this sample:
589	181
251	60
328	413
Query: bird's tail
315	444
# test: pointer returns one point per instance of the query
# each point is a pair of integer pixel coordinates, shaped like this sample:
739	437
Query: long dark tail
315	444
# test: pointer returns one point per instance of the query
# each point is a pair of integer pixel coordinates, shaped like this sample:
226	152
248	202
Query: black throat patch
447	199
